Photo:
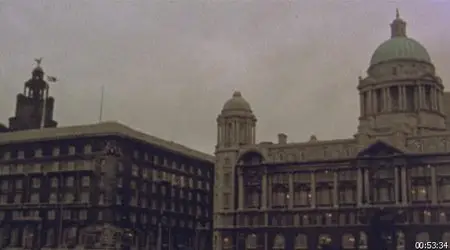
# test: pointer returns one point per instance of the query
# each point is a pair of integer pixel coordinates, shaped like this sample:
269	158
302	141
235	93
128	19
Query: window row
37	182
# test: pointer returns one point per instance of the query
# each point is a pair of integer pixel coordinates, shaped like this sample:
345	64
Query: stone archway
279	242
251	241
348	241
301	242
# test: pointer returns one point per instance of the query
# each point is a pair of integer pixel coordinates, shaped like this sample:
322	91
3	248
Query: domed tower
236	123
235	127
32	103
401	88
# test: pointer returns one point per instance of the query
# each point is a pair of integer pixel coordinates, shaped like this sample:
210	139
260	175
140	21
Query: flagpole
101	104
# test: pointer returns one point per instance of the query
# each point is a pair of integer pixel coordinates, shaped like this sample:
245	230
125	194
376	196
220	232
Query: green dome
400	48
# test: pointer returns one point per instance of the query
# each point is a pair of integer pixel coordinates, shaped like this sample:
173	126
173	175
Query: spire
398	26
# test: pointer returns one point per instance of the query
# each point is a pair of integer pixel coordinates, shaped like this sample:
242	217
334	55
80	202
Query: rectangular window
226	201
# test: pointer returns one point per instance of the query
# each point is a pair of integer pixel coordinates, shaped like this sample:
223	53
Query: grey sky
168	66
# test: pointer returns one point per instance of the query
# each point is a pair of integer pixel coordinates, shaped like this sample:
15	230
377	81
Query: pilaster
291	191
313	189
335	189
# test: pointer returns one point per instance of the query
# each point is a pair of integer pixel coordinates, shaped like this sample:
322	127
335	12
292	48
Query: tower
32	102
401	91
235	128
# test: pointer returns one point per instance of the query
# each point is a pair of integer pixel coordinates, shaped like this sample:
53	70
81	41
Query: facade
296	195
100	186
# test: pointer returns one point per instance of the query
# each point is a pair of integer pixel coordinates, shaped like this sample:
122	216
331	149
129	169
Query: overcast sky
169	66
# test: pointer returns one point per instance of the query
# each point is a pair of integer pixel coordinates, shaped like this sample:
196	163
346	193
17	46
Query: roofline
96	130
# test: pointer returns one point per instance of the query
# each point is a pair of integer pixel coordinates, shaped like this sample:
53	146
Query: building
98	186
295	195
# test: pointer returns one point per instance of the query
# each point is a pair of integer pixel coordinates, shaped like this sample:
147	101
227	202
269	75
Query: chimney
282	138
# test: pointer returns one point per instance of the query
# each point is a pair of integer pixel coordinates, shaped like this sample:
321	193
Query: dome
400	48
237	103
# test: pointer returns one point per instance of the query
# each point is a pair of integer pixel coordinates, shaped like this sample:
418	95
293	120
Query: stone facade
294	195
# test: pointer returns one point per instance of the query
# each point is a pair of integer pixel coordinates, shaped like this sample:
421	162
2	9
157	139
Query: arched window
278	242
324	239
400	240
362	240
227	243
251	241
446	237
348	241
301	242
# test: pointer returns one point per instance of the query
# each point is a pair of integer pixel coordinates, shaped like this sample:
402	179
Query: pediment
380	148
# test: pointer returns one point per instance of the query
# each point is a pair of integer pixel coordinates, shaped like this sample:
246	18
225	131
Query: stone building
98	186
287	195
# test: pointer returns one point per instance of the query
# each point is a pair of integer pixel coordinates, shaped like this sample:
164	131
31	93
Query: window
3	199
35	198
135	170
19	184
101	199
51	215
53	198
69	198
83	215
20	154
38	152
6	156
69	181
86	181
56	151
54	182
18	198
72	150
227	179
36	182
85	197
226	201
5	185
87	148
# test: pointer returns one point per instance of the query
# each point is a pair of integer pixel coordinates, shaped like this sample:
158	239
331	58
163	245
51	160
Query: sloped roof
99	129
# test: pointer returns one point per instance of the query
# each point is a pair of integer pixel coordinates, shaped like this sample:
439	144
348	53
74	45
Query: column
264	191
435	98
313	190
291	191
335	189
403	98
359	187
440	101
367	186
385	101
374	101
397	184
416	98
369	102
388	99
434	189
266	241
421	97
240	191
404	185
362	104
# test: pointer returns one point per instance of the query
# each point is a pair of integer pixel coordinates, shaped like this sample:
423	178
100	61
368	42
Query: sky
168	66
